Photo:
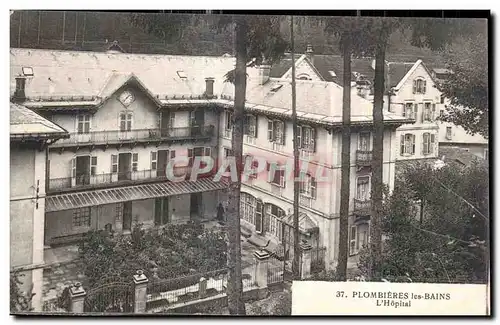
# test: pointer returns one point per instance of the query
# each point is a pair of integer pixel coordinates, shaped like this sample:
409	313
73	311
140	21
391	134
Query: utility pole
296	184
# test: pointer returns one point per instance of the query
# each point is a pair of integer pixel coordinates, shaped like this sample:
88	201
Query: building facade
131	117
29	136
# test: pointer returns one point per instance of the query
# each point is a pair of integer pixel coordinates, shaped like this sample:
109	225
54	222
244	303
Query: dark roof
324	63
280	68
458	156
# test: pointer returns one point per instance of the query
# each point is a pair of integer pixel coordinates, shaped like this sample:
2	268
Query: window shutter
135	161
431	151
282	178
159	121
171	119
73	167
208	151
402	144
299	137
413	144
255	119
270	131
433	116
153	160
93	165
190	157
114	164
283	132
404	110
414	86
313	187
172	154
312	144
424	82
122	120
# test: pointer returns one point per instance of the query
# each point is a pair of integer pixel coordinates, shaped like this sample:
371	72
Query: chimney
264	72
20	93
209	87
310	53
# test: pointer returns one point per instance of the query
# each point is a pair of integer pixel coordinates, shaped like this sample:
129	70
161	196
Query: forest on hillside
94	31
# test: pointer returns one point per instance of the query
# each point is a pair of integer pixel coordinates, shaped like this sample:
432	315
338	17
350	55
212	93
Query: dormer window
304	76
332	73
276	88
181	74
28	71
419	86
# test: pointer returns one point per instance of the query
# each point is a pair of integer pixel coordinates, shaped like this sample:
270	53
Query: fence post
140	292
261	266
203	288
305	268
77	298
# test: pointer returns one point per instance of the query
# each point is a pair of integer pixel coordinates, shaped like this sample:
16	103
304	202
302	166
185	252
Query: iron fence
318	259
275	274
364	156
117	136
111	297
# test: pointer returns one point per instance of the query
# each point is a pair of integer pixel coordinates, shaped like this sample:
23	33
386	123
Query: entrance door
81	172
259	217
124	163
161	211
196	205
197	122
127	215
166	123
163	158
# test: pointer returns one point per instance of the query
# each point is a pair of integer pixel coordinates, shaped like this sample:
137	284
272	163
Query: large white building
30	134
130	114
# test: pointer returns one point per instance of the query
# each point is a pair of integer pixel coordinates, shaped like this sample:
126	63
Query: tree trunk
296	170
236	305
377	164
346	163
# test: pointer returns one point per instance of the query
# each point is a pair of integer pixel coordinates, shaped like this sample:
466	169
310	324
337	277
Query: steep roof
25	122
75	73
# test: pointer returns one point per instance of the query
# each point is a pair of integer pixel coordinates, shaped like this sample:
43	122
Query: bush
19	301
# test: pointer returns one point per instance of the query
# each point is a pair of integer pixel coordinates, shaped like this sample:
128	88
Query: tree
19	301
258	38
450	244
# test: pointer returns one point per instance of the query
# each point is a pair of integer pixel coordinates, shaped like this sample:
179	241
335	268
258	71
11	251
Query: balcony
364	157
138	135
362	208
305	201
86	182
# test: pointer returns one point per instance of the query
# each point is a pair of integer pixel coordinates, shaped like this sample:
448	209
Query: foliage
174	251
19	301
467	85
450	244
277	304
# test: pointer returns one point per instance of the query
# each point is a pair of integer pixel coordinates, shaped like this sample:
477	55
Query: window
83	124
364	141
429	111
274	217
304	76
278	177
135	160
332	73
363	188
442	99
428	144
353	240
250	127
308	186
441	113
247	206
125	121
28	71
407	144
81	217
228	152
408	111
154	160
196	152
276	131
93	165
448	132
419	86
306	138
229	122
119	211
114	163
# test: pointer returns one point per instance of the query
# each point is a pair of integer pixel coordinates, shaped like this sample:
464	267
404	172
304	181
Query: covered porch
69	216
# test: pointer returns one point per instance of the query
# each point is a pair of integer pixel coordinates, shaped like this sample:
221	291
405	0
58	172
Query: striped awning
76	200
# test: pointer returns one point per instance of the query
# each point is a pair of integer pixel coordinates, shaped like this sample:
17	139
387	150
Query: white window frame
154	160
276	133
368	190
428	143
252	128
369	140
84	120
409	110
419	88
135	162
306	138
408	146
127	118
114	163
274	220
248	207
282	183
308	186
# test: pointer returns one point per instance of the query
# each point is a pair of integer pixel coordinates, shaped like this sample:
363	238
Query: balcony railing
362	207
364	157
84	181
305	201
117	136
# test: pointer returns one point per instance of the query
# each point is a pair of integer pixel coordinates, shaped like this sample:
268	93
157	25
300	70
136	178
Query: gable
303	69
418	71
